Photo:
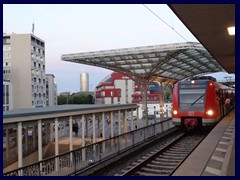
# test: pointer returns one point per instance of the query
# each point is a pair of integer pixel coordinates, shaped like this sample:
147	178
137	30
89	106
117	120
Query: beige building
7	95
24	67
51	90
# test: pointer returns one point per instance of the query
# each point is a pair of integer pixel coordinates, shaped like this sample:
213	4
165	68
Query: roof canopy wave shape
167	63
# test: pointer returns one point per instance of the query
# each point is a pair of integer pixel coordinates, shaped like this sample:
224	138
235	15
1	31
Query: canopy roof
167	63
209	23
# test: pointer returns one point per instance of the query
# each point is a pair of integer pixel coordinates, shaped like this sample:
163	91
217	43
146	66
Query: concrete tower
84	82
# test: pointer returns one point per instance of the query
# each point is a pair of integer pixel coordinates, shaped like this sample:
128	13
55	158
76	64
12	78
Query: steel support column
39	140
125	121
161	103
119	122
111	124
19	137
103	132
83	139
70	136
56	143
132	127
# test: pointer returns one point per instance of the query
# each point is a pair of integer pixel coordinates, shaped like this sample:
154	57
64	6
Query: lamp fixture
231	30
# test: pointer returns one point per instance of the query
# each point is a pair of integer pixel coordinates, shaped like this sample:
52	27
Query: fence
77	160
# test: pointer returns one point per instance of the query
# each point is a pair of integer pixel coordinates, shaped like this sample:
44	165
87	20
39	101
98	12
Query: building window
6	55
7	94
112	93
103	93
8	41
6	63
6	47
4	94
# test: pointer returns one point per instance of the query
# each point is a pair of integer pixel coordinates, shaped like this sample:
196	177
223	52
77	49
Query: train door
221	103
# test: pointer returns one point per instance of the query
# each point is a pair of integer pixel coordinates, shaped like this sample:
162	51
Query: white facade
7	96
155	107
24	67
84	82
126	86
51	90
115	89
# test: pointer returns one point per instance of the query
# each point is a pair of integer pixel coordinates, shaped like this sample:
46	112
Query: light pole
228	80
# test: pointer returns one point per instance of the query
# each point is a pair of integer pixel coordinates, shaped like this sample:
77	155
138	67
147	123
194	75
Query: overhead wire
164	21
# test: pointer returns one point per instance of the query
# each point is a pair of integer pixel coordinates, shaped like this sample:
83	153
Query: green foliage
62	100
76	98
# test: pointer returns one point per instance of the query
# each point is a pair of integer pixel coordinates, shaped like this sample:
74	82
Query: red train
200	102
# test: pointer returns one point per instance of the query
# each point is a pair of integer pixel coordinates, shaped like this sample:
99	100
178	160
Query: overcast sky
82	28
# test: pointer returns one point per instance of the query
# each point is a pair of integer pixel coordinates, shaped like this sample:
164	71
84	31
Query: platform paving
215	156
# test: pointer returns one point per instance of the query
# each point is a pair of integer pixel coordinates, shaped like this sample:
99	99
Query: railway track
164	161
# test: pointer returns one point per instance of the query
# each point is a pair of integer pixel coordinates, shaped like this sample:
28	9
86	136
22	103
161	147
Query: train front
190	103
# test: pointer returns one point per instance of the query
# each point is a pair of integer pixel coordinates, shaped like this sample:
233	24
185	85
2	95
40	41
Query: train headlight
175	112
209	112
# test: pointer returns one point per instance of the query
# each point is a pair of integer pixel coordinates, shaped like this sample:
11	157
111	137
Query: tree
90	99
76	98
62	100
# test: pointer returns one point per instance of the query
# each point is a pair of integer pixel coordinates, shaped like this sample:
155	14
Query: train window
191	98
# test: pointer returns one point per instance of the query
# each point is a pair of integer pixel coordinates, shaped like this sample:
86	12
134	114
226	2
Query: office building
24	68
51	90
119	89
7	95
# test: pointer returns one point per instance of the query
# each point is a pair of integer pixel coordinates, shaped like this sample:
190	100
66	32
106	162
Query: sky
75	28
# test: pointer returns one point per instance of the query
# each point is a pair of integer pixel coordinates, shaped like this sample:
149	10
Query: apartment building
7	95
51	90
24	68
119	89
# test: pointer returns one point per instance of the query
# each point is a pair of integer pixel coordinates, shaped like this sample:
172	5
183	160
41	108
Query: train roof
204	78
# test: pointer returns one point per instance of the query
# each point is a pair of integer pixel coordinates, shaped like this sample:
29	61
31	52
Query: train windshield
192	99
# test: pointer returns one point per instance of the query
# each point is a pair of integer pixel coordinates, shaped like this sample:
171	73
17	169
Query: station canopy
166	63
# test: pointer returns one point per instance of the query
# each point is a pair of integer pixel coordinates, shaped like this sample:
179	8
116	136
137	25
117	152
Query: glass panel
191	99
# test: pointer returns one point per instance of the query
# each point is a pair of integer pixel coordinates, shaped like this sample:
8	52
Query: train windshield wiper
197	99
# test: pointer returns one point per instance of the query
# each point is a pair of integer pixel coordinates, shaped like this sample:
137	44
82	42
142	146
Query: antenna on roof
33	27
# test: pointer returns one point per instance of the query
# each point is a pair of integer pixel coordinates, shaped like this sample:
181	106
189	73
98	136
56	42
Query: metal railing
77	160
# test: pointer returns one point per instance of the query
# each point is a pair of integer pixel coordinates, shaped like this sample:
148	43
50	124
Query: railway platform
215	156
